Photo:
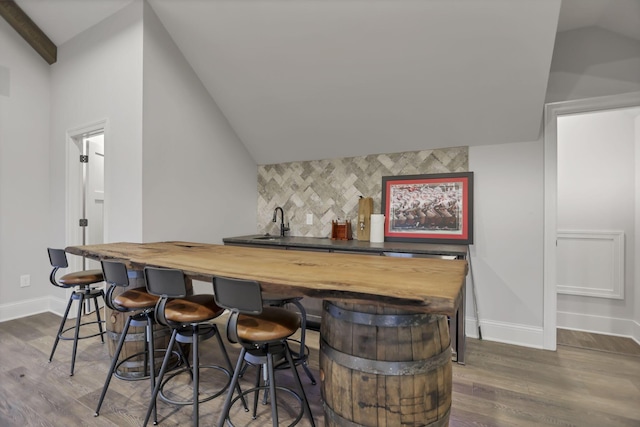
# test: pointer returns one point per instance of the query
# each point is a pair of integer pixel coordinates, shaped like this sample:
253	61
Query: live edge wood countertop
416	284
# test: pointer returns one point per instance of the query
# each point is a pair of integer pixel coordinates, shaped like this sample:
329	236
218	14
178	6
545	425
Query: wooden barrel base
132	363
406	379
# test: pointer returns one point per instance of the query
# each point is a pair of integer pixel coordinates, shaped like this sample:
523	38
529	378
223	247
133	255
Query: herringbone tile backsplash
330	189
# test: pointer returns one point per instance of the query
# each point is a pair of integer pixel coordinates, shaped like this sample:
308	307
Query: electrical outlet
25	280
309	219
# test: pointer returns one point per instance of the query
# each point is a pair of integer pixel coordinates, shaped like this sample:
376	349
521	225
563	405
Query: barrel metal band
338	419
383	320
141	336
343	422
383	367
115	336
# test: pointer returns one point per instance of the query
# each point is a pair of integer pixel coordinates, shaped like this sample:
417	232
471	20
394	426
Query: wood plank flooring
501	385
598	342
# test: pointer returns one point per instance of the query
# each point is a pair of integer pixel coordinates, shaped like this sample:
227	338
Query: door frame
551	113
74	184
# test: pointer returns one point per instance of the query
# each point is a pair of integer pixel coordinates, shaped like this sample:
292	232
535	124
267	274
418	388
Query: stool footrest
256	391
137	375
213	395
72	328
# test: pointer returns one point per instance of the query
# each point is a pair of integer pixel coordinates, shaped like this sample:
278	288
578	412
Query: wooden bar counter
399	304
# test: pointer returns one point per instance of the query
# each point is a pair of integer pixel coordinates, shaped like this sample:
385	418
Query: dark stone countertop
324	243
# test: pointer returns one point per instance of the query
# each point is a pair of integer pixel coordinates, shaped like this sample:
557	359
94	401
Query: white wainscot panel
591	263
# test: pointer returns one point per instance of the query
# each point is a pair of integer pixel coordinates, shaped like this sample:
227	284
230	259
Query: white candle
377	228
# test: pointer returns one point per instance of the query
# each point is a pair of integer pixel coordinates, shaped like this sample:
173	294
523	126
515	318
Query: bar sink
267	237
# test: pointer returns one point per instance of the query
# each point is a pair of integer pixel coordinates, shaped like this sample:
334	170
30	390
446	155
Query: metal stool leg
256	394
114	362
61	328
95	302
303	395
163	370
152	361
80	297
196	375
234	382
229	365
272	390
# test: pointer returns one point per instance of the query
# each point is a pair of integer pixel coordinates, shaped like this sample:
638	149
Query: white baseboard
600	325
23	308
508	333
636	332
30	307
531	336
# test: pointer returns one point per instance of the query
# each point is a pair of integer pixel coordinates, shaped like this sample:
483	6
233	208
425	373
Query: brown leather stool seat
263	332
136	299
188	317
81	278
273	324
80	282
192	309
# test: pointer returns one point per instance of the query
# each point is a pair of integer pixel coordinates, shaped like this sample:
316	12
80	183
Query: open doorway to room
590	171
85	189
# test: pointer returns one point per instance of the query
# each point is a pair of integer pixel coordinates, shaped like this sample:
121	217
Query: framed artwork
435	208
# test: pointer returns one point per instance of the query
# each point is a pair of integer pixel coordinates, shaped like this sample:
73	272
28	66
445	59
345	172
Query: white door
94	193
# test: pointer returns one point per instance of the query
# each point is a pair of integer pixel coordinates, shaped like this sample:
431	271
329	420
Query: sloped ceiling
311	79
62	20
618	16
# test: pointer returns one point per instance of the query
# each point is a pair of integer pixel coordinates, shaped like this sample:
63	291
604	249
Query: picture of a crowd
428	207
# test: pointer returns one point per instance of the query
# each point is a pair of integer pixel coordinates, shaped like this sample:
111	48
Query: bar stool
186	315
263	332
302	356
80	282
141	305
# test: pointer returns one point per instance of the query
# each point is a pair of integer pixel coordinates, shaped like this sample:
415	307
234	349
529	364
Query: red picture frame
433	208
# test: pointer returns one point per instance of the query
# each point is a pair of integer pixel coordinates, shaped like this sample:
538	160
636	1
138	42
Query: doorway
552	114
85	211
93	193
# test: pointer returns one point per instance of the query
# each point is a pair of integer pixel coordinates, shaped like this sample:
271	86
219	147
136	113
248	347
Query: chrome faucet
283	228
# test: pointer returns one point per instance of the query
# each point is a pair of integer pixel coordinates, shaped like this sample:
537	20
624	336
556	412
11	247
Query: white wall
596	171
24	174
98	76
506	258
596	192
199	182
636	283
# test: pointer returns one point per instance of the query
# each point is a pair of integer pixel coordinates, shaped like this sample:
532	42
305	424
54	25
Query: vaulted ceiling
312	79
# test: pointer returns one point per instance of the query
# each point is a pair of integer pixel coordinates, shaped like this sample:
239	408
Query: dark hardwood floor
598	342
501	385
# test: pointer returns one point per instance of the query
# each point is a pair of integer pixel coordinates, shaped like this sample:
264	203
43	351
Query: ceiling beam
29	31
